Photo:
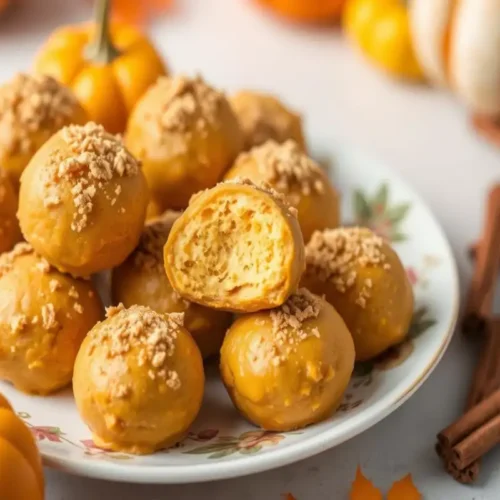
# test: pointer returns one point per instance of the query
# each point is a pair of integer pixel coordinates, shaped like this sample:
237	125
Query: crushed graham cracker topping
140	327
49	321
43	265
263	116
93	160
287	168
288	323
334	255
149	252
184	104
264	187
7	259
29	103
18	322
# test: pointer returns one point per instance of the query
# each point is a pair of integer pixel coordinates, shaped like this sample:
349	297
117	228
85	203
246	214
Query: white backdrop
422	132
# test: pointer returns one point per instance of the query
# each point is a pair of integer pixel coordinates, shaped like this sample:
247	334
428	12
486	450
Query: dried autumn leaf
404	489
363	489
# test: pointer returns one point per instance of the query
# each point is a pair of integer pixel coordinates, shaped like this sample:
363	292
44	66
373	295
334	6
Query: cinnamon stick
480	299
486	380
487	127
486	377
471	421
477	444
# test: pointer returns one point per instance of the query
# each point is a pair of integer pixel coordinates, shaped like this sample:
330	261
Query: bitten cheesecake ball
363	278
288	367
186	135
9	226
263	117
138	380
304	183
44	316
83	200
141	279
32	109
237	247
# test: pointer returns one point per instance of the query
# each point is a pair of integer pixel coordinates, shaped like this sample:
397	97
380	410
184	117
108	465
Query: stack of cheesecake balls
223	237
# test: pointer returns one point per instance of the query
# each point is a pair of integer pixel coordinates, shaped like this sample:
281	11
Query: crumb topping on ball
7	259
263	116
96	158
288	323
49	321
153	333
333	255
149	252
18	323
27	104
287	167
185	104
266	188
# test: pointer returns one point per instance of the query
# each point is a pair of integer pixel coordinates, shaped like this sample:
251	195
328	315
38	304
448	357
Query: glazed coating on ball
138	380
291	172
44	317
32	109
186	135
83	200
264	117
237	247
141	279
288	367
9	226
364	279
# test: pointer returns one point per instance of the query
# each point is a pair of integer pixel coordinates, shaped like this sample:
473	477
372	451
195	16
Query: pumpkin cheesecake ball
186	135
9	226
288	170
237	247
263	117
138	380
32	109
363	278
83	200
141	279
44	316
288	367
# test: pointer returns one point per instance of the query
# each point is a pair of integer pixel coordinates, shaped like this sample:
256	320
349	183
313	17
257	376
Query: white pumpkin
457	43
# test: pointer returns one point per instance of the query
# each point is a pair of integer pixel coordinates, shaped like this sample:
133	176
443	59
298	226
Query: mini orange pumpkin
21	476
306	10
107	67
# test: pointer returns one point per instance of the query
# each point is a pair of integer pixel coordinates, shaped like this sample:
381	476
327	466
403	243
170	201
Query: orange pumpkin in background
108	67
306	10
21	475
138	12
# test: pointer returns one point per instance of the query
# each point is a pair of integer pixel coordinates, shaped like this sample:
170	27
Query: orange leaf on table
363	489
404	489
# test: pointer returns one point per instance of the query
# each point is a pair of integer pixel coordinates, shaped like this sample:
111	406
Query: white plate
222	444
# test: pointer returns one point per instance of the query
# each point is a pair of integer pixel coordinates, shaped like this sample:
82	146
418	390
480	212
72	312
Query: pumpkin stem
101	49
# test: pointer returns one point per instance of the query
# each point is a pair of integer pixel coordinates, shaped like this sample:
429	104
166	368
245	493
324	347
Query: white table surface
423	133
